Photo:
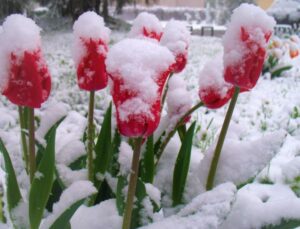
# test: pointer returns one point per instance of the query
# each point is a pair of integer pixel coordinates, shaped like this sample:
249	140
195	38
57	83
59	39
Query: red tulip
91	71
212	98
246	73
29	81
139	70
179	65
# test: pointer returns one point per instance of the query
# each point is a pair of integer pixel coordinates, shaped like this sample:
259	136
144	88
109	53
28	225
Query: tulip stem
90	136
23	136
132	183
217	153
32	162
165	92
171	133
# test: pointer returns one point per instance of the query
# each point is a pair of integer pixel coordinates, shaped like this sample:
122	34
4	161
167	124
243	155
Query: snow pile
138	65
19	34
125	158
103	215
176	37
207	210
76	192
211	78
259	205
242	160
153	193
88	26
146	25
251	18
179	100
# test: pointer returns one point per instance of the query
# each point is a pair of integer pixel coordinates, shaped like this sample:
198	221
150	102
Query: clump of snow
138	64
179	100
242	160
211	76
176	37
69	176
134	106
259	205
145	21
18	34
125	158
153	192
251	18
103	215
88	26
20	215
207	210
77	191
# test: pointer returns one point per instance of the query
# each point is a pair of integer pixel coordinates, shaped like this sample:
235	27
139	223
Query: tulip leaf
182	166
120	198
63	221
279	71
42	183
13	193
284	224
147	163
103	147
114	165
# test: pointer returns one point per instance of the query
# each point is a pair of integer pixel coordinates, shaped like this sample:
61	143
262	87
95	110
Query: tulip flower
214	92
139	69
146	25
25	79
176	38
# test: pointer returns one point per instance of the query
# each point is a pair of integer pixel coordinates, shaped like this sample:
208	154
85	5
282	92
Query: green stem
132	183
171	133
90	136
217	153
32	162
165	92
23	136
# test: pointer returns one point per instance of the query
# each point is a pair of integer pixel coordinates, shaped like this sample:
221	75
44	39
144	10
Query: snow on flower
245	44
25	79
176	38
146	25
214	92
90	47
139	69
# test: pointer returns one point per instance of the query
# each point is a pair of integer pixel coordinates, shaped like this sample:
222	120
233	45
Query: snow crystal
259	205
125	158
176	37
179	100
89	25
104	215
242	160
250	17
211	76
207	210
145	20
17	35
77	191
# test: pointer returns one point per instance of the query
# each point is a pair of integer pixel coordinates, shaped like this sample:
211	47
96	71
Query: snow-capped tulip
176	38
90	48
294	50
245	44
25	77
146	25
139	70
214	92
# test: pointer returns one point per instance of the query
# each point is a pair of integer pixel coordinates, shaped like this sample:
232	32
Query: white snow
153	193
176	37
77	191
145	21
88	26
125	158
256	22
18	34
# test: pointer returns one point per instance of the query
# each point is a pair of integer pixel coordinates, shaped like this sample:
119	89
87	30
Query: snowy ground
260	117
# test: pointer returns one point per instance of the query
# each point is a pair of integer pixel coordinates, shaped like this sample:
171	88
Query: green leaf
182	166
13	193
114	165
41	186
103	147
284	224
120	198
62	222
279	71
147	163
